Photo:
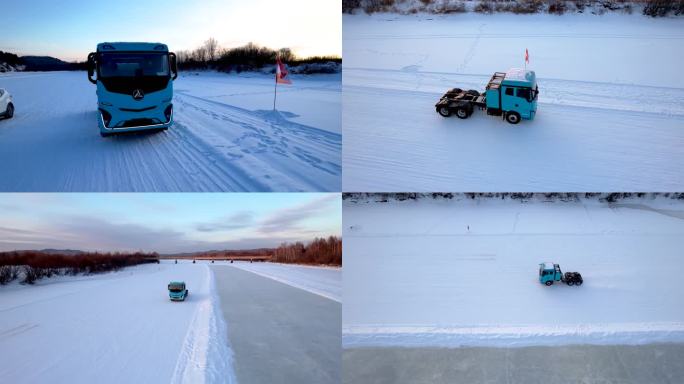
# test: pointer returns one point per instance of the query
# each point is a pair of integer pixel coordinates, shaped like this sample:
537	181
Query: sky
165	222
70	29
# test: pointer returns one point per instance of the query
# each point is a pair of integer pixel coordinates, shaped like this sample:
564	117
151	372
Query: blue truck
134	86
550	272
511	95
177	291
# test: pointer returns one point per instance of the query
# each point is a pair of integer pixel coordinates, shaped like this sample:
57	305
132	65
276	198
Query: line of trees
653	8
34	265
321	251
249	57
609	197
10	58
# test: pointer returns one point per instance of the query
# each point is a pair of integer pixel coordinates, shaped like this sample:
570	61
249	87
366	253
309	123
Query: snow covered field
323	281
122	327
611	104
225	137
115	328
465	273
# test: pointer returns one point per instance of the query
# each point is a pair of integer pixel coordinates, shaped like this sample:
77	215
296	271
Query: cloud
90	232
290	219
16	238
235	221
97	233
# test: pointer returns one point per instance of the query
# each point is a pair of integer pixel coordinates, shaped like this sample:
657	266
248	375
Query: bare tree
200	54
211	47
286	54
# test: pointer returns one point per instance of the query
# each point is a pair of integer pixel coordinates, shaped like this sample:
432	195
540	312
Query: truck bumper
127	123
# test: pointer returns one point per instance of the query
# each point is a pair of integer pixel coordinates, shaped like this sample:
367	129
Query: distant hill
61	251
48	251
10	62
227	252
48	63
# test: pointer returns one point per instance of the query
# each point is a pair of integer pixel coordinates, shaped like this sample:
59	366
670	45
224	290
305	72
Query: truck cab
134	86
177	291
512	94
549	272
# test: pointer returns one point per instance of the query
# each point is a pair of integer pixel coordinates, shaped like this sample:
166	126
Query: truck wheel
579	283
571	283
444	111
462	113
513	117
10	111
549	283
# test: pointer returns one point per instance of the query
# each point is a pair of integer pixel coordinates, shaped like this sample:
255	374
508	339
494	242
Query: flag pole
275	89
275	92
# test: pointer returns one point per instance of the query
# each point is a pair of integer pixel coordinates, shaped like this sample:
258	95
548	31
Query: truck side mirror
91	67
173	65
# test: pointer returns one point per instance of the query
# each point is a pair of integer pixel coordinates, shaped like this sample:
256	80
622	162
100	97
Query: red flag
281	73
527	56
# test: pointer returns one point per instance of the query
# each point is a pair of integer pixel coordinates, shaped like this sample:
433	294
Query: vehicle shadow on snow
133	136
192	298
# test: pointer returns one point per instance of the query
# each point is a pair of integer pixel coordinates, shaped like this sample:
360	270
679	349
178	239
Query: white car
6	105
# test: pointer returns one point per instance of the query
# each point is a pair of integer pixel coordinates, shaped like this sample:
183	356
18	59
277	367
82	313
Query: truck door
515	99
523	97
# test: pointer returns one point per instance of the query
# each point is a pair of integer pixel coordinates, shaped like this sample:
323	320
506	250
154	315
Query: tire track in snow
289	156
666	101
206	356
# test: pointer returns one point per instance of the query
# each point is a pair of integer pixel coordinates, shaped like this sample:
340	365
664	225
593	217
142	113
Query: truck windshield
133	64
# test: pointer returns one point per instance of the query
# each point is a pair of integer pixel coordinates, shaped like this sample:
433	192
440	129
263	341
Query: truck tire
549	283
579	283
462	112
571	283
513	117
444	111
472	92
9	112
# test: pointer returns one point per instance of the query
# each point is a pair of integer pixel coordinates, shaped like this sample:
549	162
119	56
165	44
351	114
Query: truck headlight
167	112
106	117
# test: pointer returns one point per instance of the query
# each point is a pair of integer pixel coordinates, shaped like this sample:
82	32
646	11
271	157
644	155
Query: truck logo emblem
138	94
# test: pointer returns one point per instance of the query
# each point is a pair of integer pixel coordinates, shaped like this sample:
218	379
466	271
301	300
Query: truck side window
509	91
524	93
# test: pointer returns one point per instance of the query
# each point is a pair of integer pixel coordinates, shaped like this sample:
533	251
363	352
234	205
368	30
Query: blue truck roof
131	46
520	77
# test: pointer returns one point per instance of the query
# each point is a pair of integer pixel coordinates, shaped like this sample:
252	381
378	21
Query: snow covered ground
445	273
225	137
115	328
611	104
323	281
